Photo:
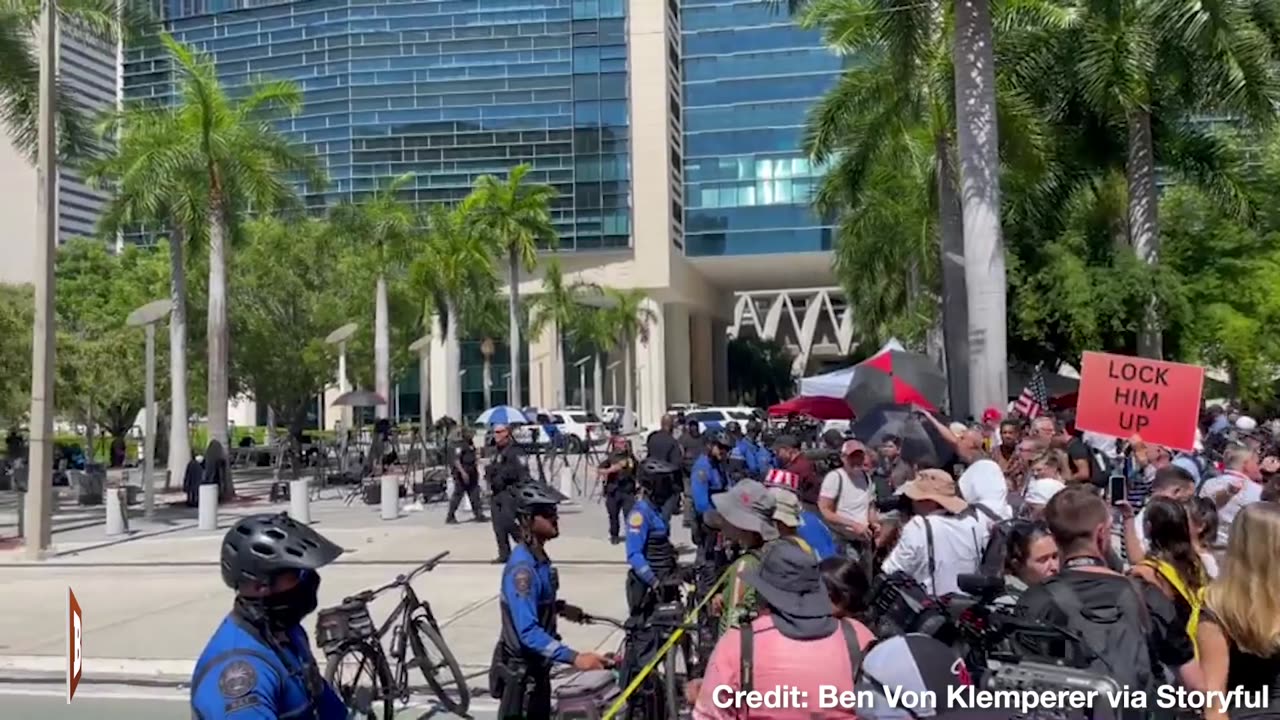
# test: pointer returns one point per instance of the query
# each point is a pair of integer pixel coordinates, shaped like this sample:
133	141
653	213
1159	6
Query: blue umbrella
501	415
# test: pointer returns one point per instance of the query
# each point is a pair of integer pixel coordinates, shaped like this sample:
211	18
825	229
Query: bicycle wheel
369	665
432	655
675	671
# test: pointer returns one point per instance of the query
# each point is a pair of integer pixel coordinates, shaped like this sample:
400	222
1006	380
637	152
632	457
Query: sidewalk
150	602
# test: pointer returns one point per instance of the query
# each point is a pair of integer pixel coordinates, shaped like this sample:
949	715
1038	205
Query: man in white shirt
845	499
1240	484
942	540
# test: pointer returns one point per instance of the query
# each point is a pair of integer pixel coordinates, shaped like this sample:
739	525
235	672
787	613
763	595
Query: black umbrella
921	443
896	377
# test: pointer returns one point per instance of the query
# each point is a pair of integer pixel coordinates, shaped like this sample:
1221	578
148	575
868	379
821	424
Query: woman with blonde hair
1239	632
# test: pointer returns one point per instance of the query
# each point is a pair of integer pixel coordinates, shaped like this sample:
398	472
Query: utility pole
147	316
39	500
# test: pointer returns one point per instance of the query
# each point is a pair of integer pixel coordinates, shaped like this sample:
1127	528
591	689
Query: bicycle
587	694
347	633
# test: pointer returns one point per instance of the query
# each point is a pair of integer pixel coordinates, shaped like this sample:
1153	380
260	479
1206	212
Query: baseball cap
787	441
786	509
748	506
851	447
991	413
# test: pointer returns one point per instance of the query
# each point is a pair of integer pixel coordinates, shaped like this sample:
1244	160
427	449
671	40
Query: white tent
836	383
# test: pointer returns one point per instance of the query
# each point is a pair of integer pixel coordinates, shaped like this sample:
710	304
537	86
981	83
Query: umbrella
501	415
896	377
921	443
359	399
817	407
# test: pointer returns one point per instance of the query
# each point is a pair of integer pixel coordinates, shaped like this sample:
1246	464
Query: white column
546	370
676	333
650	369
446	389
720	361
700	358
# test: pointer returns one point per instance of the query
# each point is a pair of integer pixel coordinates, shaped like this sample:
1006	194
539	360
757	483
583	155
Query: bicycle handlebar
428	566
601	620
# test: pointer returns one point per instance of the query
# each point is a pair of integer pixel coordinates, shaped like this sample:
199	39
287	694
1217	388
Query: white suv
579	427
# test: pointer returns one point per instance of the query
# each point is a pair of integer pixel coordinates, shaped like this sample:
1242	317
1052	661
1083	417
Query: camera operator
942	541
1129	630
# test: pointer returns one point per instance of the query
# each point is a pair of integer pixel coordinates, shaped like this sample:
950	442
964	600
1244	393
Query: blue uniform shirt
705	478
765	459
239	677
527	585
644	520
816	533
750	454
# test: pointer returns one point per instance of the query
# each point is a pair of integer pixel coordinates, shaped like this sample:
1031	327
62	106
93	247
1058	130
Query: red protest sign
1122	395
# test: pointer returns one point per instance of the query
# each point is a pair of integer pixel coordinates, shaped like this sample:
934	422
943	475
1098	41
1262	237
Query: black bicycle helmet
533	495
259	547
723	439
653	466
753	427
733	428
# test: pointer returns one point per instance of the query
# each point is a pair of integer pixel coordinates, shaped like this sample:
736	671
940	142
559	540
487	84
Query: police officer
520	676
619	473
258	664
650	553
743	462
466	478
505	473
765	461
692	443
707	479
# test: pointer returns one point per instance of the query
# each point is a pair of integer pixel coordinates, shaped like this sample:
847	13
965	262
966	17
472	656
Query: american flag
1034	399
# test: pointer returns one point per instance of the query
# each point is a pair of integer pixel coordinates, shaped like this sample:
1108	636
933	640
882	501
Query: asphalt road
130	703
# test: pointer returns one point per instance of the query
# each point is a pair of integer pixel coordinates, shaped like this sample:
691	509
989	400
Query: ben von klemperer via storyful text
831	697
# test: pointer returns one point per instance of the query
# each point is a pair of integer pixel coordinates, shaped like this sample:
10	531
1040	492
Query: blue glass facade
446	89
749	78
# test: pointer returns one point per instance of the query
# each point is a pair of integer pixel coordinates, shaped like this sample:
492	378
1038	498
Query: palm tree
102	20
484	317
452	265
596	330
516	215
241	163
386	223
1143	68
630	315
558	303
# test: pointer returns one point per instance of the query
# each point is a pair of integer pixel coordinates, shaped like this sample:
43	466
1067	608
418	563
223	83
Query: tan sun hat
938	486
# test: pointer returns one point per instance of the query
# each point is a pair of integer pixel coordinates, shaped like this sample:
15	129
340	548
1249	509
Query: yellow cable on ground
621	702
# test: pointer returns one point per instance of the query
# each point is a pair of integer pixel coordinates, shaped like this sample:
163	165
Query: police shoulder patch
237	679
636	520
523	580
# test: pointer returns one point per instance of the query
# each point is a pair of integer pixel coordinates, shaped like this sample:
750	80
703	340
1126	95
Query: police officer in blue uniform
708	478
765	461
528	646
650	553
258	664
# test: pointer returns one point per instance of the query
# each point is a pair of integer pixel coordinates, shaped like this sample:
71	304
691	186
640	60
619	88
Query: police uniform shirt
622	479
645	530
705	479
464	453
529	588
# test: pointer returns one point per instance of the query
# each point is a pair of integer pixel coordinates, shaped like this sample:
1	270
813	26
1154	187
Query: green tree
557	305
241	163
631	317
516	215
383	221
759	372
16	316
484	317
101	20
596	331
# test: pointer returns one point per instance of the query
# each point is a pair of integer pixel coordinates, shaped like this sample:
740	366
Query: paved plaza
151	600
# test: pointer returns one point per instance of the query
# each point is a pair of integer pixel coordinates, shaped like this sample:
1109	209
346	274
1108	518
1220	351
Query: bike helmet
259	547
653	466
733	428
532	496
722	439
753	427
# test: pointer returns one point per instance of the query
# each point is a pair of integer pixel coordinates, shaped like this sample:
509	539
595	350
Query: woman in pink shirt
794	659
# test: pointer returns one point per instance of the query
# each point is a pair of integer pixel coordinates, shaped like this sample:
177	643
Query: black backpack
997	550
1115	644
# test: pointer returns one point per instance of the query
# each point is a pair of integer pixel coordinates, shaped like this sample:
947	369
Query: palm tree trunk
382	348
179	442
487	379
955	311
597	384
513	322
628	377
1140	170
219	339
980	202
452	356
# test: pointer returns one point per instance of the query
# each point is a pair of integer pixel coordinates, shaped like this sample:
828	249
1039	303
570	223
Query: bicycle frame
399	650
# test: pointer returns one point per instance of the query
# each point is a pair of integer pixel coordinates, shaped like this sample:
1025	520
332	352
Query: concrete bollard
117	515
390	497
208	507
300	500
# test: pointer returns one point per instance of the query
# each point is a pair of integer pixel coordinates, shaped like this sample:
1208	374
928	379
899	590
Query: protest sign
1122	395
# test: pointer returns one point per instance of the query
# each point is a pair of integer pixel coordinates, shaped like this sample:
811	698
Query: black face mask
286	609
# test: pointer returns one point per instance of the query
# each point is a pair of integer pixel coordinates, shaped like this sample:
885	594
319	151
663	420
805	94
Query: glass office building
448	90
750	77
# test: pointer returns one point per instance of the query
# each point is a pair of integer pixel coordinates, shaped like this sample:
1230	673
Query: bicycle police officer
619	473
707	478
258	664
650	553
520	675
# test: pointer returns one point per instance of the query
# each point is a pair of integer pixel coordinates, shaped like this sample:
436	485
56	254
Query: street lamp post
147	317
613	380
422	346
582	381
37	530
506	381
340	337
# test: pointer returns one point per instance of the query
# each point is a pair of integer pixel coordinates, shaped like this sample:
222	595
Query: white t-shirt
1250	492
853	498
958	542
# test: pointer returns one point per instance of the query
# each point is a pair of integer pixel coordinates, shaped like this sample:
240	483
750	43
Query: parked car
580	428
711	419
